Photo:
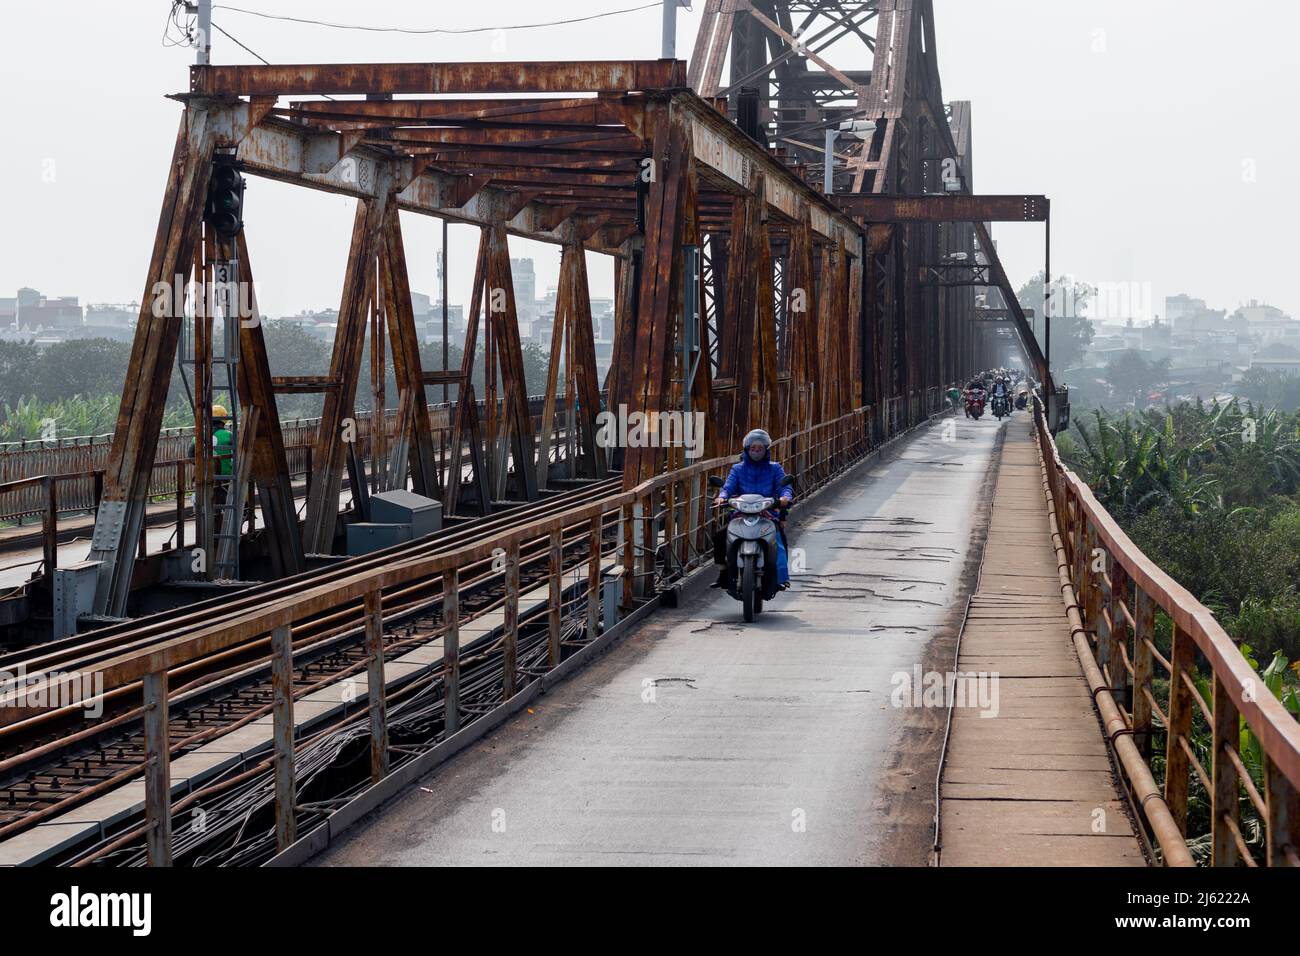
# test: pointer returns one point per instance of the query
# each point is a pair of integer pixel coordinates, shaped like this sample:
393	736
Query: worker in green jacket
223	450
223	440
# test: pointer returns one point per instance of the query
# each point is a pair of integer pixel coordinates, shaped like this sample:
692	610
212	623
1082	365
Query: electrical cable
434	30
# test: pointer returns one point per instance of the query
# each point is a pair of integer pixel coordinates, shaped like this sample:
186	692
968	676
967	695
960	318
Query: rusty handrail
1115	591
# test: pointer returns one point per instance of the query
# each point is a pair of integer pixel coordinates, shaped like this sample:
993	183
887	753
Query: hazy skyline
1160	130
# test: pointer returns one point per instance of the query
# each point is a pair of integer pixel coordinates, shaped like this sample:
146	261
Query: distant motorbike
975	403
751	548
1001	406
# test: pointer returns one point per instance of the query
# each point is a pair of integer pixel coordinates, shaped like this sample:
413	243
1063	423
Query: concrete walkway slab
1033	785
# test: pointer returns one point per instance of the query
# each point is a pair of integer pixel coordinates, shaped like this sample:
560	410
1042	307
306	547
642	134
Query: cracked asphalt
702	740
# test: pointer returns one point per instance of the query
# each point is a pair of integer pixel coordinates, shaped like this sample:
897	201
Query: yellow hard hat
219	411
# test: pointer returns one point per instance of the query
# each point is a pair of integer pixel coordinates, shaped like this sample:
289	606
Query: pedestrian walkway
1033	785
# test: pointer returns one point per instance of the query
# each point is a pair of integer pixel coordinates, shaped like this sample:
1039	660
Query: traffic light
224	211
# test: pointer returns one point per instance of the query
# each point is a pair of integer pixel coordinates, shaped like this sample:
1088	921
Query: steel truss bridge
744	292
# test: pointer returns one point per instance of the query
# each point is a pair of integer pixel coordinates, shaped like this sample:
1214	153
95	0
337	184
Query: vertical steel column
376	688
451	650
286	819
157	777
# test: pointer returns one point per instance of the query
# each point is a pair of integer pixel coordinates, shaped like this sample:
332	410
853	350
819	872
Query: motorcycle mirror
787	481
715	481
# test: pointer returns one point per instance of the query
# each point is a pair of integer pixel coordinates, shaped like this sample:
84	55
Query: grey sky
1141	119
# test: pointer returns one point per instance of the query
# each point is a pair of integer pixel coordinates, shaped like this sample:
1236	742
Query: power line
465	30
217	26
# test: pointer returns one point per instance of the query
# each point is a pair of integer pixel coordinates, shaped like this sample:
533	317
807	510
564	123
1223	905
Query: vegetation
1212	495
1071	330
73	388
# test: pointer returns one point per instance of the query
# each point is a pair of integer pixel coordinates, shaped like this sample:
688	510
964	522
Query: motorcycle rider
754	474
1002	390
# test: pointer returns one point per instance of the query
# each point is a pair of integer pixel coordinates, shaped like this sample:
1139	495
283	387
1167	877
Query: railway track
53	763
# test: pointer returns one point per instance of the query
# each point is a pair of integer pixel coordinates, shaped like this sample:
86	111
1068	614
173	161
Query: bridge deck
703	740
1034	784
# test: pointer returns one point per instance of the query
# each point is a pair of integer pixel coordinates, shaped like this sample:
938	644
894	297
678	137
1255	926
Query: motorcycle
751	548
974	403
1001	406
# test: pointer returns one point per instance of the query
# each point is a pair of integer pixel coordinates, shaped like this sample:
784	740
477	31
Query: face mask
756	454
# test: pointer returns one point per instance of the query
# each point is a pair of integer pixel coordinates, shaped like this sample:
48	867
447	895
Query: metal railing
1120	605
663	529
71	490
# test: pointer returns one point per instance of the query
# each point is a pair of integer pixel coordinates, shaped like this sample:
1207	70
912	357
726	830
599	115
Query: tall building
524	281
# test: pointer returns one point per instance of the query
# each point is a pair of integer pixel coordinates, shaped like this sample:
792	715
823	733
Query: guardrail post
286	819
1144	614
670	525
180	505
1226	796
1119	588
627	554
1283	801
1091	595
553	610
1177	766
157	774
594	602
693	536
376	689
510	625
451	650
50	528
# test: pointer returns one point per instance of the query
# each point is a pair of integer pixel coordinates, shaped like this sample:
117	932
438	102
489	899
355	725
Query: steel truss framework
805	310
918	270
616	158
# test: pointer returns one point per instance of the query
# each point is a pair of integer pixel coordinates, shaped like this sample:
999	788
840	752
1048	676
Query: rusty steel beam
270	465
120	516
337	425
415	431
660	293
875	207
610	76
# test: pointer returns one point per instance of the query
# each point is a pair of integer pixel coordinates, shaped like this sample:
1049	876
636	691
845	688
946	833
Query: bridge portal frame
613	157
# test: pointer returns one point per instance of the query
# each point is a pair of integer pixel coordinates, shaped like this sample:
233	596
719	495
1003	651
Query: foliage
1271	388
1130	375
1071	330
1211	493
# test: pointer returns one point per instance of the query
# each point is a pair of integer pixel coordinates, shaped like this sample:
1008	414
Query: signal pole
204	10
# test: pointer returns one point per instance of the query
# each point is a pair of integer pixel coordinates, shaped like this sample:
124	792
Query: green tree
1271	387
1071	330
81	367
1132	376
17	370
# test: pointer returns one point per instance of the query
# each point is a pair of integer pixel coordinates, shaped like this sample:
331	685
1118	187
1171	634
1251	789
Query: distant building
1288	366
321	325
1257	312
116	322
1190	317
36	311
433	323
524	281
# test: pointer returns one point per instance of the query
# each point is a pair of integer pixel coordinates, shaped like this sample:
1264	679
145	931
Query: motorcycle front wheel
749	589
